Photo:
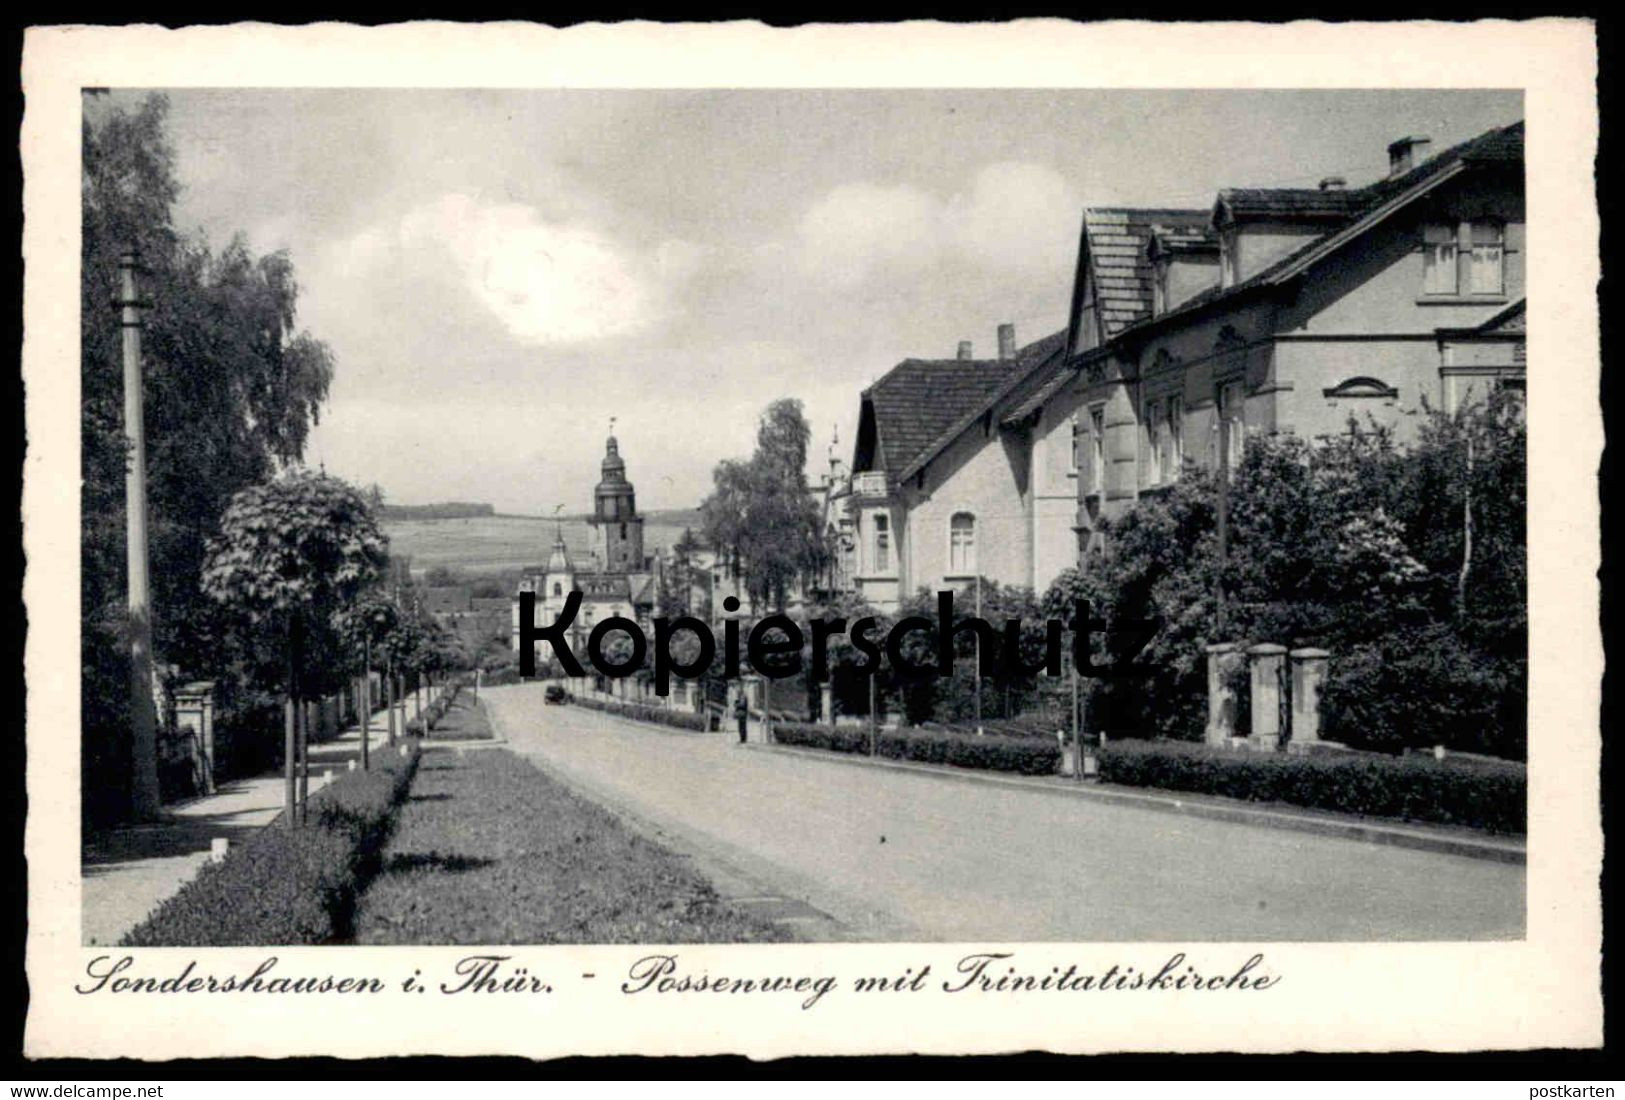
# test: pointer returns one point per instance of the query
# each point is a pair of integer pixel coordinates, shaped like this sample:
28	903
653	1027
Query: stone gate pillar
1223	658
826	702
1308	673
194	719
1266	661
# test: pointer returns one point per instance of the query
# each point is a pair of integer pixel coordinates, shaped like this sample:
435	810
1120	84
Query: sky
498	273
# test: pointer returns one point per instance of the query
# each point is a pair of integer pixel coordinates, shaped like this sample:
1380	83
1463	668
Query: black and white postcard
714	539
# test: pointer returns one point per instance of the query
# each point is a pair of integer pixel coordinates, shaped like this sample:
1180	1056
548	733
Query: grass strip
489	850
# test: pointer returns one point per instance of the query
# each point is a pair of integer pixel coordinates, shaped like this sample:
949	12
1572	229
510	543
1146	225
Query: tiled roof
1244	203
922	405
1368	204
452	597
1035	401
919	399
1119	267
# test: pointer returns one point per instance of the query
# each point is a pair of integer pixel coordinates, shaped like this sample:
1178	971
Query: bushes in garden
989	752
290	886
1482	794
680	719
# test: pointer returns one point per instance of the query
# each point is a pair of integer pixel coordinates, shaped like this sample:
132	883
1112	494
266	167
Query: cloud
1014	217
546	283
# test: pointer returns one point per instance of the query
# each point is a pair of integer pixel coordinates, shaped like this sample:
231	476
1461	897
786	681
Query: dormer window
1464	259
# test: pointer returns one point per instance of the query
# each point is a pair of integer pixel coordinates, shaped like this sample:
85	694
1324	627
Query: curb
1397	836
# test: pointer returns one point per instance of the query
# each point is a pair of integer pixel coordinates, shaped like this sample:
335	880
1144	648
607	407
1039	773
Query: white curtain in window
1485	269
962	544
1439	259
1176	445
1155	442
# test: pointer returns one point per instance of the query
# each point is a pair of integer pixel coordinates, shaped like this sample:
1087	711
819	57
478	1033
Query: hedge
989	752
680	719
1481	794
290	886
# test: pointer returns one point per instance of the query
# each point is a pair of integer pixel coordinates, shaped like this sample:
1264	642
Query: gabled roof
1295	203
1370	206
921	405
1114	248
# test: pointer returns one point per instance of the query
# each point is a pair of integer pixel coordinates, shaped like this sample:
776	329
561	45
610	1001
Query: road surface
893	855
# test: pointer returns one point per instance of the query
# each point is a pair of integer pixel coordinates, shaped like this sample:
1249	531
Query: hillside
498	544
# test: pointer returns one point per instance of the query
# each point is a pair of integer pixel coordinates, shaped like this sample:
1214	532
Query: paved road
962	861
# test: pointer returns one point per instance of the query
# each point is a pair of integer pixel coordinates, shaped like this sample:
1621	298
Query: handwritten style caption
654	976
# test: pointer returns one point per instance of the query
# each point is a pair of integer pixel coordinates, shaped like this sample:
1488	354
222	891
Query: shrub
497	677
679	719
989	752
289	886
1482	794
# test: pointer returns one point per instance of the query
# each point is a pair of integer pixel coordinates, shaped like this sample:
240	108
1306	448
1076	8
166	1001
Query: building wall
1055	489
987	478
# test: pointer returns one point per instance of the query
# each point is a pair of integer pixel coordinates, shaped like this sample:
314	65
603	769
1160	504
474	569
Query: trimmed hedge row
290	886
680	719
436	710
1481	794
989	752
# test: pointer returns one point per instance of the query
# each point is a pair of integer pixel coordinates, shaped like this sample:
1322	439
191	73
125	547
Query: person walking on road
742	713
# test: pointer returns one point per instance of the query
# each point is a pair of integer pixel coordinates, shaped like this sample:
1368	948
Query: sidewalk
127	872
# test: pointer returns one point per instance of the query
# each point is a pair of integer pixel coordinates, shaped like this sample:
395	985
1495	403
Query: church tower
617	527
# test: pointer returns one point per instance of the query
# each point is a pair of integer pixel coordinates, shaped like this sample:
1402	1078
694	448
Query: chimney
1007	341
1407	153
1333	183
964	349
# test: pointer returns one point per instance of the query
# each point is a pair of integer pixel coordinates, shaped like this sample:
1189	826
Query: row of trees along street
255	563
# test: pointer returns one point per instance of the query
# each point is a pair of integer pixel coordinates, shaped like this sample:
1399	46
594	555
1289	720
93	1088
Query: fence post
1222	659
1266	660
1308	673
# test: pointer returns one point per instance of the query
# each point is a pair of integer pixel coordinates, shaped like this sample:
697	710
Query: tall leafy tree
760	513
231	388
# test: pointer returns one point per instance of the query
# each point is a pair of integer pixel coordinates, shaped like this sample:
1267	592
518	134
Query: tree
1351	543
231	391
363	627
760	514
296	552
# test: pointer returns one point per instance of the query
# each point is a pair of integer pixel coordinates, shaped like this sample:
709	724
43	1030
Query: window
1155	441
882	544
1077	432
1097	449
1439	259
1232	427
1468	258
558	589
962	544
1176	443
1484	273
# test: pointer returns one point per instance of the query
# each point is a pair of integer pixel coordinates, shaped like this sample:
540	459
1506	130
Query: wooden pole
874	715
1077	728
1224	514
145	799
290	738
366	698
389	697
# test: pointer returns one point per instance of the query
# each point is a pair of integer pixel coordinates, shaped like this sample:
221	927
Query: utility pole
1224	513
978	693
146	802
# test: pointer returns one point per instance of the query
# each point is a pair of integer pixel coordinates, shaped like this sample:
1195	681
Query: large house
1293	310
943	491
1275	309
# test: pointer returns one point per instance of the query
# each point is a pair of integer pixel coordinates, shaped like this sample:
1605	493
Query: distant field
498	544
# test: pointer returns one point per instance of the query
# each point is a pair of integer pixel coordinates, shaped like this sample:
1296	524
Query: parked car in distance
555	694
